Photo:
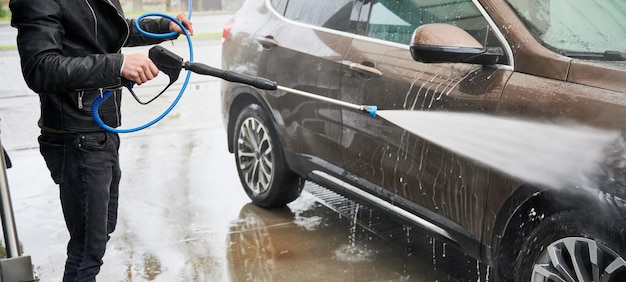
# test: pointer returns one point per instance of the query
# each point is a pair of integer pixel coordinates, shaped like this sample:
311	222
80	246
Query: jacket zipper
95	19
80	99
125	23
81	93
117	107
113	86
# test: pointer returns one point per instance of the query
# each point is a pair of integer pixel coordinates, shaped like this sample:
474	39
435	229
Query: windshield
576	27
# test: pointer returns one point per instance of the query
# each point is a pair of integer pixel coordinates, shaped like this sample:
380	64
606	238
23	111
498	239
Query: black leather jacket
70	53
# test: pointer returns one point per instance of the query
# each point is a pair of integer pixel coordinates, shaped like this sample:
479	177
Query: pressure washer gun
171	64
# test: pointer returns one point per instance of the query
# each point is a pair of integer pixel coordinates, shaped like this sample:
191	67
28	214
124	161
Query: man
70	54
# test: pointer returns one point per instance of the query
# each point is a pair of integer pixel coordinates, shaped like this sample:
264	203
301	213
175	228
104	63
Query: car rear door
390	161
301	49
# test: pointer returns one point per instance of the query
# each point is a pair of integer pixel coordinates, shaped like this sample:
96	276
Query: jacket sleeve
158	26
40	44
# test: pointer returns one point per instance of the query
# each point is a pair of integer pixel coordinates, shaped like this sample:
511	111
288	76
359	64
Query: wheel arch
244	96
529	205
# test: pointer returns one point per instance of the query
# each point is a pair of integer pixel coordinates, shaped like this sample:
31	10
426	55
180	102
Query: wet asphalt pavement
183	215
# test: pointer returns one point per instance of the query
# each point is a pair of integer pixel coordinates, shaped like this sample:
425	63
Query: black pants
86	167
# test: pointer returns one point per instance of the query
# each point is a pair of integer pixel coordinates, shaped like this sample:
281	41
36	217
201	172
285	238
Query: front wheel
574	246
261	163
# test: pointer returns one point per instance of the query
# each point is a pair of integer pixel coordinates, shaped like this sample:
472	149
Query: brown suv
499	129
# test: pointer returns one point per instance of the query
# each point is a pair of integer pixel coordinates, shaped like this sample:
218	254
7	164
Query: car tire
261	163
574	246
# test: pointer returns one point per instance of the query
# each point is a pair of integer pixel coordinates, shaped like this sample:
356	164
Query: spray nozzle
370	110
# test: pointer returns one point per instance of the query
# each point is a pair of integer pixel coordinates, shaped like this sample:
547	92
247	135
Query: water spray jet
553	155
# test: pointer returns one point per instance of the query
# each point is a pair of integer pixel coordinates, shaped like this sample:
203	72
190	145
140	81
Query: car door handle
364	69
267	41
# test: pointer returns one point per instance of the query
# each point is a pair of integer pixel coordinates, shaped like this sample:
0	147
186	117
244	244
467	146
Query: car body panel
539	90
605	75
413	169
530	56
244	59
394	158
311	126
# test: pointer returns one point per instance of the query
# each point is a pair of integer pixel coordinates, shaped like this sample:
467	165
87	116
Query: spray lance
171	64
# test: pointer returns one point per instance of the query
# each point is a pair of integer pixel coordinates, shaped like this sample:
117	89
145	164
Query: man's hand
139	68
182	18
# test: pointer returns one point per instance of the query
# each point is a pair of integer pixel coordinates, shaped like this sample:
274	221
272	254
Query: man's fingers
139	68
182	18
154	69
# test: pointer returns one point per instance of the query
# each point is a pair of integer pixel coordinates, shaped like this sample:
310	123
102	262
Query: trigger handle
166	61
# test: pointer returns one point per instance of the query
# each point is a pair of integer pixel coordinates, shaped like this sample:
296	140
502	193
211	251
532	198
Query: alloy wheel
578	259
254	148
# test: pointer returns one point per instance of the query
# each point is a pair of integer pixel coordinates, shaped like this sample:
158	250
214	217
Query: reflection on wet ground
325	237
309	242
428	252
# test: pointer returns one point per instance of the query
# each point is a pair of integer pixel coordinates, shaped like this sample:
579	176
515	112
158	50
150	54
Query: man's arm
40	42
159	26
135	67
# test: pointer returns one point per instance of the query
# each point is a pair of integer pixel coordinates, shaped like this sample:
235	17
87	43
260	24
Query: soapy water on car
554	155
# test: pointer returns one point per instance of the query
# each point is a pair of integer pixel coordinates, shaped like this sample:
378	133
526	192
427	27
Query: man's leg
115	184
90	176
100	175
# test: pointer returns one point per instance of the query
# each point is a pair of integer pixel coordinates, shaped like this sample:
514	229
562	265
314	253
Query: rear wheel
261	162
574	246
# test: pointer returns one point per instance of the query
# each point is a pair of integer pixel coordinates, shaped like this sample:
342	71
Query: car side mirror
446	43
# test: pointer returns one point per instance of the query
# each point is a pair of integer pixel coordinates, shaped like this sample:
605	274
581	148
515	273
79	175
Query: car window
593	26
334	14
395	20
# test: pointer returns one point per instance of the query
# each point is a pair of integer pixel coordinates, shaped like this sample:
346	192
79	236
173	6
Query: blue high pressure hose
106	94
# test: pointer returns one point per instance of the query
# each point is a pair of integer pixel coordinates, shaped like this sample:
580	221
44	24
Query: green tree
3	10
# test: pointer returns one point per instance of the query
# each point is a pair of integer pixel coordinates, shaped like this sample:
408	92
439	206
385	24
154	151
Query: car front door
388	160
300	49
